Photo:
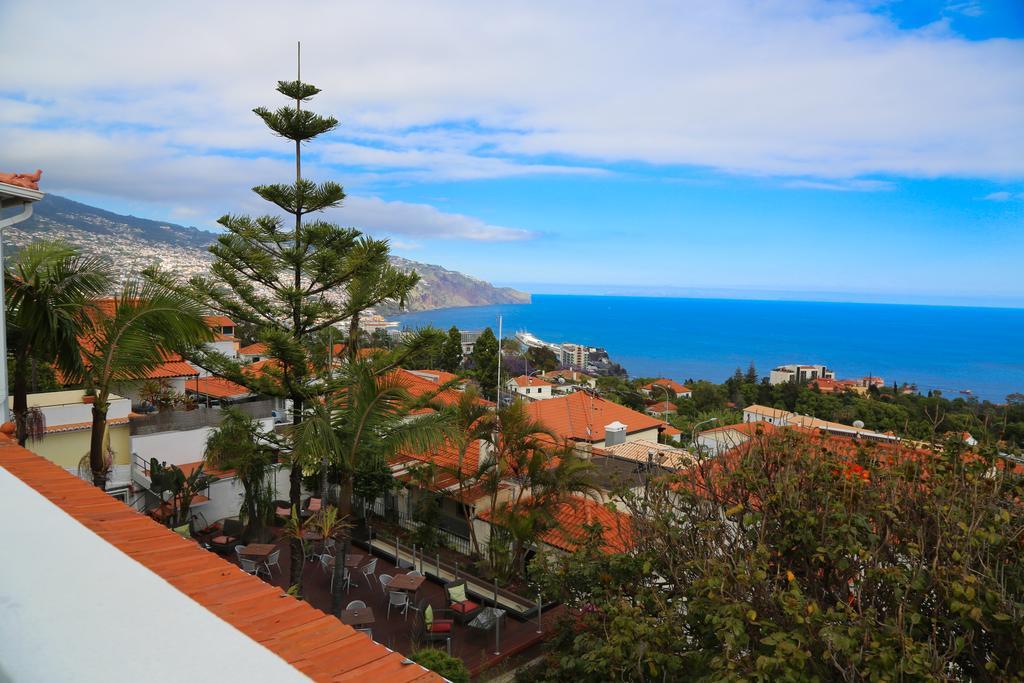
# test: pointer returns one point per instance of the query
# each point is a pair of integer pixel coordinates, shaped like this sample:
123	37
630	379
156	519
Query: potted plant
89	395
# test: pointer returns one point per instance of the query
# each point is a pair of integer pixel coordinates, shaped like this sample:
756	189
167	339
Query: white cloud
849	185
1003	196
158	98
421	220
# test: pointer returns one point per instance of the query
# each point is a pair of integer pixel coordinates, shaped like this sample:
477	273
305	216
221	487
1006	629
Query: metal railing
446	537
181	420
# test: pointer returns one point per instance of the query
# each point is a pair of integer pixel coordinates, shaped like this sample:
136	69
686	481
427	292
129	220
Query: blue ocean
936	347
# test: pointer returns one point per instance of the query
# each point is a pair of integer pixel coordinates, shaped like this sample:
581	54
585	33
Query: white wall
179	447
226	495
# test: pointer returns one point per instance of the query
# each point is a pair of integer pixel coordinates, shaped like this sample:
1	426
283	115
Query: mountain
134	243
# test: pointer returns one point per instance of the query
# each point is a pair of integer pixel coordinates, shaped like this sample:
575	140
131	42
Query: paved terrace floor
475	647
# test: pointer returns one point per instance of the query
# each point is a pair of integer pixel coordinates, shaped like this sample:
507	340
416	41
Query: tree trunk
353	336
345	497
21	397
97	461
341	550
474	544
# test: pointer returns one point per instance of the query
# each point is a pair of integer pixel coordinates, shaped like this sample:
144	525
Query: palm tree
544	473
128	336
471	424
365	415
47	288
239	444
381	283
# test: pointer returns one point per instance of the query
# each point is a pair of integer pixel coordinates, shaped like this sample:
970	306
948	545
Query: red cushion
223	539
440	626
464	606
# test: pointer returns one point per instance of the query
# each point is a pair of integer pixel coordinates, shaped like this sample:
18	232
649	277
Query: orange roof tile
573	516
663	407
263	612
528	381
668	384
76	426
745	428
582	416
216	387
257	349
218	321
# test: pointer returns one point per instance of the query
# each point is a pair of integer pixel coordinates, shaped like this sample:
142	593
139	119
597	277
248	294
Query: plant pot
88	399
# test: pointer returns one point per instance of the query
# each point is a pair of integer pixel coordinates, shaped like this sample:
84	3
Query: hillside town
239	466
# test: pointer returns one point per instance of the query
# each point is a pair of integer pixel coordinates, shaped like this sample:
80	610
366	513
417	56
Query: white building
801	374
574	355
758	413
532	388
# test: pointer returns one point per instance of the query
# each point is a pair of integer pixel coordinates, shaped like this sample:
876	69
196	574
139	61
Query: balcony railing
181	420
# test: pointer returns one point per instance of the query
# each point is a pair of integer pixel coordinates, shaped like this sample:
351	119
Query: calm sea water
936	347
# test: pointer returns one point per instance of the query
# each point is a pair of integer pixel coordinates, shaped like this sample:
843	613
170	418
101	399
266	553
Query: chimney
614	434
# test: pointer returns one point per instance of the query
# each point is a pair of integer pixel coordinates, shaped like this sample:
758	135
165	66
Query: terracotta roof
438	376
171	369
219	321
745	428
663	407
766	411
419	387
668	384
583	416
216	387
638	451
573	516
77	426
316	644
257	349
527	381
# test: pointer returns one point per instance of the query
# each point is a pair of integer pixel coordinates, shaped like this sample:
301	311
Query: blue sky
824	150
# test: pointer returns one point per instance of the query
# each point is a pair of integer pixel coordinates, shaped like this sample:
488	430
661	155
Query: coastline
950	348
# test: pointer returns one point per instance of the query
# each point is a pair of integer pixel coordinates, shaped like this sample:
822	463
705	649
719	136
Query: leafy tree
485	363
127	336
751	376
182	488
451	351
47	288
239	444
428	350
542	358
805	559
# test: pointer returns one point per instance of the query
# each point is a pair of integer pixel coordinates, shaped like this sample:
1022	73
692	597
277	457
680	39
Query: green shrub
444	664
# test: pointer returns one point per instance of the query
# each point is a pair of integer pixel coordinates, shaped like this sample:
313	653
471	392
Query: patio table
352	561
360	616
405	582
258	551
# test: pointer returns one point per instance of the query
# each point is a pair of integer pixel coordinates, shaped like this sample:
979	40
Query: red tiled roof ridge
263	612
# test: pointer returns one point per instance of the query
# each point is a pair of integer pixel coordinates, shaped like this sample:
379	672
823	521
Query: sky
843	150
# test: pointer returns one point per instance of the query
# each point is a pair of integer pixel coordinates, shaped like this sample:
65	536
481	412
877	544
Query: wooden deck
478	649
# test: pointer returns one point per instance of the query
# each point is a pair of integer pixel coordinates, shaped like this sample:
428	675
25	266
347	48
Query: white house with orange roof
68	431
529	387
801	374
661	388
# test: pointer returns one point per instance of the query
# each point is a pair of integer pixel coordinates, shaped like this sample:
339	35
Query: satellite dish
859	424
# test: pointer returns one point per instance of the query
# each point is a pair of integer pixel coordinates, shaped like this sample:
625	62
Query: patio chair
434	626
462	608
282	510
249	566
368	570
398	599
238	551
415	573
272	561
356	604
384	579
230	534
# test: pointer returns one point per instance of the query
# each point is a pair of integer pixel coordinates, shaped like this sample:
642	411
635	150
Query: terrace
520	629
